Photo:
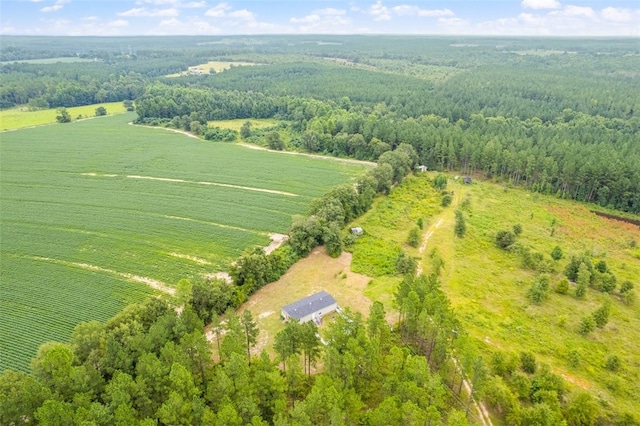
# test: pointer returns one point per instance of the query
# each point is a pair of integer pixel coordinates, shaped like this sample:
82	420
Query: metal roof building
311	308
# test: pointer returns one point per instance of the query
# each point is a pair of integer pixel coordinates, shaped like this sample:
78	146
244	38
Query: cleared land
101	208
488	286
256	123
217	66
316	272
18	118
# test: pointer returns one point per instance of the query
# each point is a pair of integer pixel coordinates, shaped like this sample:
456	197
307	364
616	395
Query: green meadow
488	286
92	210
20	117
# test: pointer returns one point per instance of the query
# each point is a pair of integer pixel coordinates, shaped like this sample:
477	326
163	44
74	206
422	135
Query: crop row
42	301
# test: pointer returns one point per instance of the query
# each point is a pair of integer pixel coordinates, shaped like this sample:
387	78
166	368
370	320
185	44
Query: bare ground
316	272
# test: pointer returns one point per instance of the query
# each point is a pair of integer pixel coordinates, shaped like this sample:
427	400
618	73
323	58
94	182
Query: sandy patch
194	182
276	241
426	240
182	132
316	272
219	276
225	185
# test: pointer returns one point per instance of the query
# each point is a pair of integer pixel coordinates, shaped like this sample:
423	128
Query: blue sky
211	17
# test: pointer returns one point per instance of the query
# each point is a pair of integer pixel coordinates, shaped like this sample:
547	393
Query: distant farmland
92	210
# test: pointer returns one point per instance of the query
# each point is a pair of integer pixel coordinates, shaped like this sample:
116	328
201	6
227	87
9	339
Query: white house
311	308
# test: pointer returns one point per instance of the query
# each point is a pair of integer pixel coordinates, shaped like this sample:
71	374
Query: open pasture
488	288
20	117
114	209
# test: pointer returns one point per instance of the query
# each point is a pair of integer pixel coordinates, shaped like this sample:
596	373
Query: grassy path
440	235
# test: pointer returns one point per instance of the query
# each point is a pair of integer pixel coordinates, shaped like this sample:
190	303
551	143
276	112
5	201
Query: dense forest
555	116
150	365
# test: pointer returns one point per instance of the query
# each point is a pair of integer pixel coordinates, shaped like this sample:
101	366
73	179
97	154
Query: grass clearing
487	286
129	205
20	117
316	272
386	226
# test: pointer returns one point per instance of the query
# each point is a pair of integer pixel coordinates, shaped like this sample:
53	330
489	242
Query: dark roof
309	305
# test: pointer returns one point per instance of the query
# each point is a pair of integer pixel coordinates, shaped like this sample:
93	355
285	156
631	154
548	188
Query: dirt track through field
481	409
155	284
195	182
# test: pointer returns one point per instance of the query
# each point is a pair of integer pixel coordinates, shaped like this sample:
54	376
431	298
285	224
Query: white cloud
407	10
540	4
217	11
58	5
118	23
158	2
243	14
320	14
323	21
306	19
195	4
619	15
140	12
193	26
574	11
454	25
173	3
379	11
330	11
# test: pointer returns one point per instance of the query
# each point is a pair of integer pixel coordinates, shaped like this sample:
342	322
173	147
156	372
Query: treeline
150	365
153	364
66	84
575	155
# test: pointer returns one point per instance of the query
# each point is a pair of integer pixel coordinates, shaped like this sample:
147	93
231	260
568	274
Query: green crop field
91	210
18	118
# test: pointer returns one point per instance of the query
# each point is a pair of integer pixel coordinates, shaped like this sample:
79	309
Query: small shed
356	231
467	180
421	168
311	308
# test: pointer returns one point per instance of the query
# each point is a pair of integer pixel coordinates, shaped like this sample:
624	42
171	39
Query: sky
212	17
